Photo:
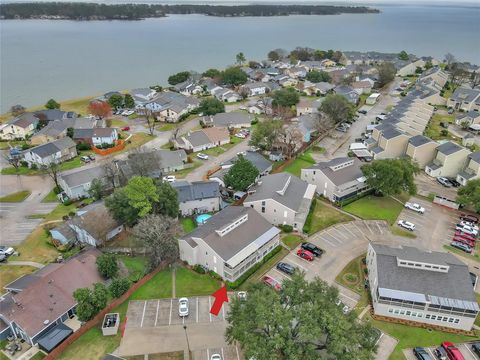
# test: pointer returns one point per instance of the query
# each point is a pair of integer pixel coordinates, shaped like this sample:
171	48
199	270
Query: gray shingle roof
465	94
419	140
475	156
197	190
197	138
258	160
237	239
53	147
391	133
448	148
455	284
82	176
229	119
343	175
269	185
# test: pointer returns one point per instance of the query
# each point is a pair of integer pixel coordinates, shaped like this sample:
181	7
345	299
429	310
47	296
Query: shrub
119	286
83	147
254	121
23	163
444	132
34	166
365	271
199	269
214	275
107	265
236	284
287	228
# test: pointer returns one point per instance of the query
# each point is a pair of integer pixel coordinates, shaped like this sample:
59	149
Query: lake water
67	59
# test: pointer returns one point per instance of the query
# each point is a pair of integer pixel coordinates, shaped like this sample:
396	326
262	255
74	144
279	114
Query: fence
443	201
120	145
99	317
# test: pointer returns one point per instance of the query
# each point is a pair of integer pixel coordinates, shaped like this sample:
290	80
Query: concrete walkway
174	288
24	263
364	311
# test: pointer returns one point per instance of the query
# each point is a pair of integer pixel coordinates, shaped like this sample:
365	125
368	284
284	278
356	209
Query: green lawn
375	208
51	197
291	240
402	232
182	173
303	161
16	197
322	216
255	277
136	266
190	283
233	141
434	130
38	356
188	224
66	165
213	151
135	141
9	273
5	145
474	257
37	247
166	127
119	123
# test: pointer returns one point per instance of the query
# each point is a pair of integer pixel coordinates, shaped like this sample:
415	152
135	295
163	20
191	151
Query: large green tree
119	207
301	321
119	286
403	55
318	76
116	101
178	77
96	190
285	97
142	194
90	302
107	265
157	232
241	175
386	73
273	55
129	101
240	58
167	203
234	76
391	176
212	73
470	194
337	108
52	104
265	133
211	106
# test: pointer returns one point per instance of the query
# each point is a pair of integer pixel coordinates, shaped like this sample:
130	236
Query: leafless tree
289	138
150	120
458	76
52	170
143	162
474	79
265	101
449	59
112	172
13	160
157	232
243	92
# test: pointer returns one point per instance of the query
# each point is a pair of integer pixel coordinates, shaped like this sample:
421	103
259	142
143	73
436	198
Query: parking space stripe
156	316
300	266
170	318
379	228
143	314
197	310
223	313
238	355
329	242
208	355
341	233
368	227
209	307
361	232
223	356
282	274
470	351
335	238
346	228
348	297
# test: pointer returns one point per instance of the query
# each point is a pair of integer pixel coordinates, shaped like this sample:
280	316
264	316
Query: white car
183	307
415	207
469	224
169	178
406	225
240	135
254	148
215	357
202	156
242	295
243	153
467	229
345	309
7	251
128	112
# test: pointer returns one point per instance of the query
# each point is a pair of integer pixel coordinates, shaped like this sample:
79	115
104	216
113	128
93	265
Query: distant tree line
93	11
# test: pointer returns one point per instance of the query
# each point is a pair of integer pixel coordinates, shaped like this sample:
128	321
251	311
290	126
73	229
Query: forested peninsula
93	11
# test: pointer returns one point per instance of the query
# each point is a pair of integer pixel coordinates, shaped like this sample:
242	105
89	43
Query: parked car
476	348
380	117
7	251
452	351
85	159
461	246
362	111
126	128
415	207
345	309
3	257
315	250
454	182
421	354
254	148
216	357
341	129
92	157
240	135
464	241
465	235
305	254
286	268
268	280
467	229
406	225
469	224
470	218
474	278
169	178
242	295
450	111
202	156
440	353
444	181
183	307
243	153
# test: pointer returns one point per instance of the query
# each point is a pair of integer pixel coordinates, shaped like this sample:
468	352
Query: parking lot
464	348
154	326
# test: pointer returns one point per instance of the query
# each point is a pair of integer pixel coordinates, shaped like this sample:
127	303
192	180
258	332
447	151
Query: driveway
427	185
154	326
14	220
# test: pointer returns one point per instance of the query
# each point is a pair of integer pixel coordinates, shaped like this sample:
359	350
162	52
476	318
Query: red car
268	280
470	218
465	235
452	351
464	241
126	128
305	254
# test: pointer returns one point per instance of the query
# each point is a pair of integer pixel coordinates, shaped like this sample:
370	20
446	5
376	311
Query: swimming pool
200	219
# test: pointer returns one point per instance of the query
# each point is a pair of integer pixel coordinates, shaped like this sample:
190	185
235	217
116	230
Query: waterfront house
19	128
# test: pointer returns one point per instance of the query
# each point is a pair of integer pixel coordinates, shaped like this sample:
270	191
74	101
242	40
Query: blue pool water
200	219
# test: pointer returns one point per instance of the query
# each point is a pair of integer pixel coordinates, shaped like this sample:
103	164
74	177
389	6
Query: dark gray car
286	268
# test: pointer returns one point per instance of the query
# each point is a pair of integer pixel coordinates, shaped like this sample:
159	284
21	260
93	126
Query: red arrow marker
220	297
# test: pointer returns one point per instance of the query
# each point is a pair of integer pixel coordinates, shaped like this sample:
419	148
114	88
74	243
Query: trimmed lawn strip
212	151
188	224
16	197
189	283
291	240
119	123
402	232
37	247
9	273
375	208
264	268
51	197
303	161
136	140
184	172
474	257
136	266
434	130
322	216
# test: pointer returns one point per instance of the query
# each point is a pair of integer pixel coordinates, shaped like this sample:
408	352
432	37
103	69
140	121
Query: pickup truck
415	207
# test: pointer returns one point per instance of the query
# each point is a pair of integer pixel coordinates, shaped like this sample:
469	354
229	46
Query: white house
56	151
197	197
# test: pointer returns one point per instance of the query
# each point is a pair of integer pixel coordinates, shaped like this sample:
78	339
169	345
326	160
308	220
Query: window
408	313
427	316
450	320
263	203
390	311
456	321
434	317
263	209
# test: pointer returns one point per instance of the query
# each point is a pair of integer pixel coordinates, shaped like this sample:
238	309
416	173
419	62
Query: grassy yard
291	240
474	256
51	197
136	266
4	145
213	151
136	140
9	273
375	208
190	283
188	224
303	161
182	173
16	197
166	127
67	165
434	130
119	123
37	247
402	232
233	141
322	216
264	268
